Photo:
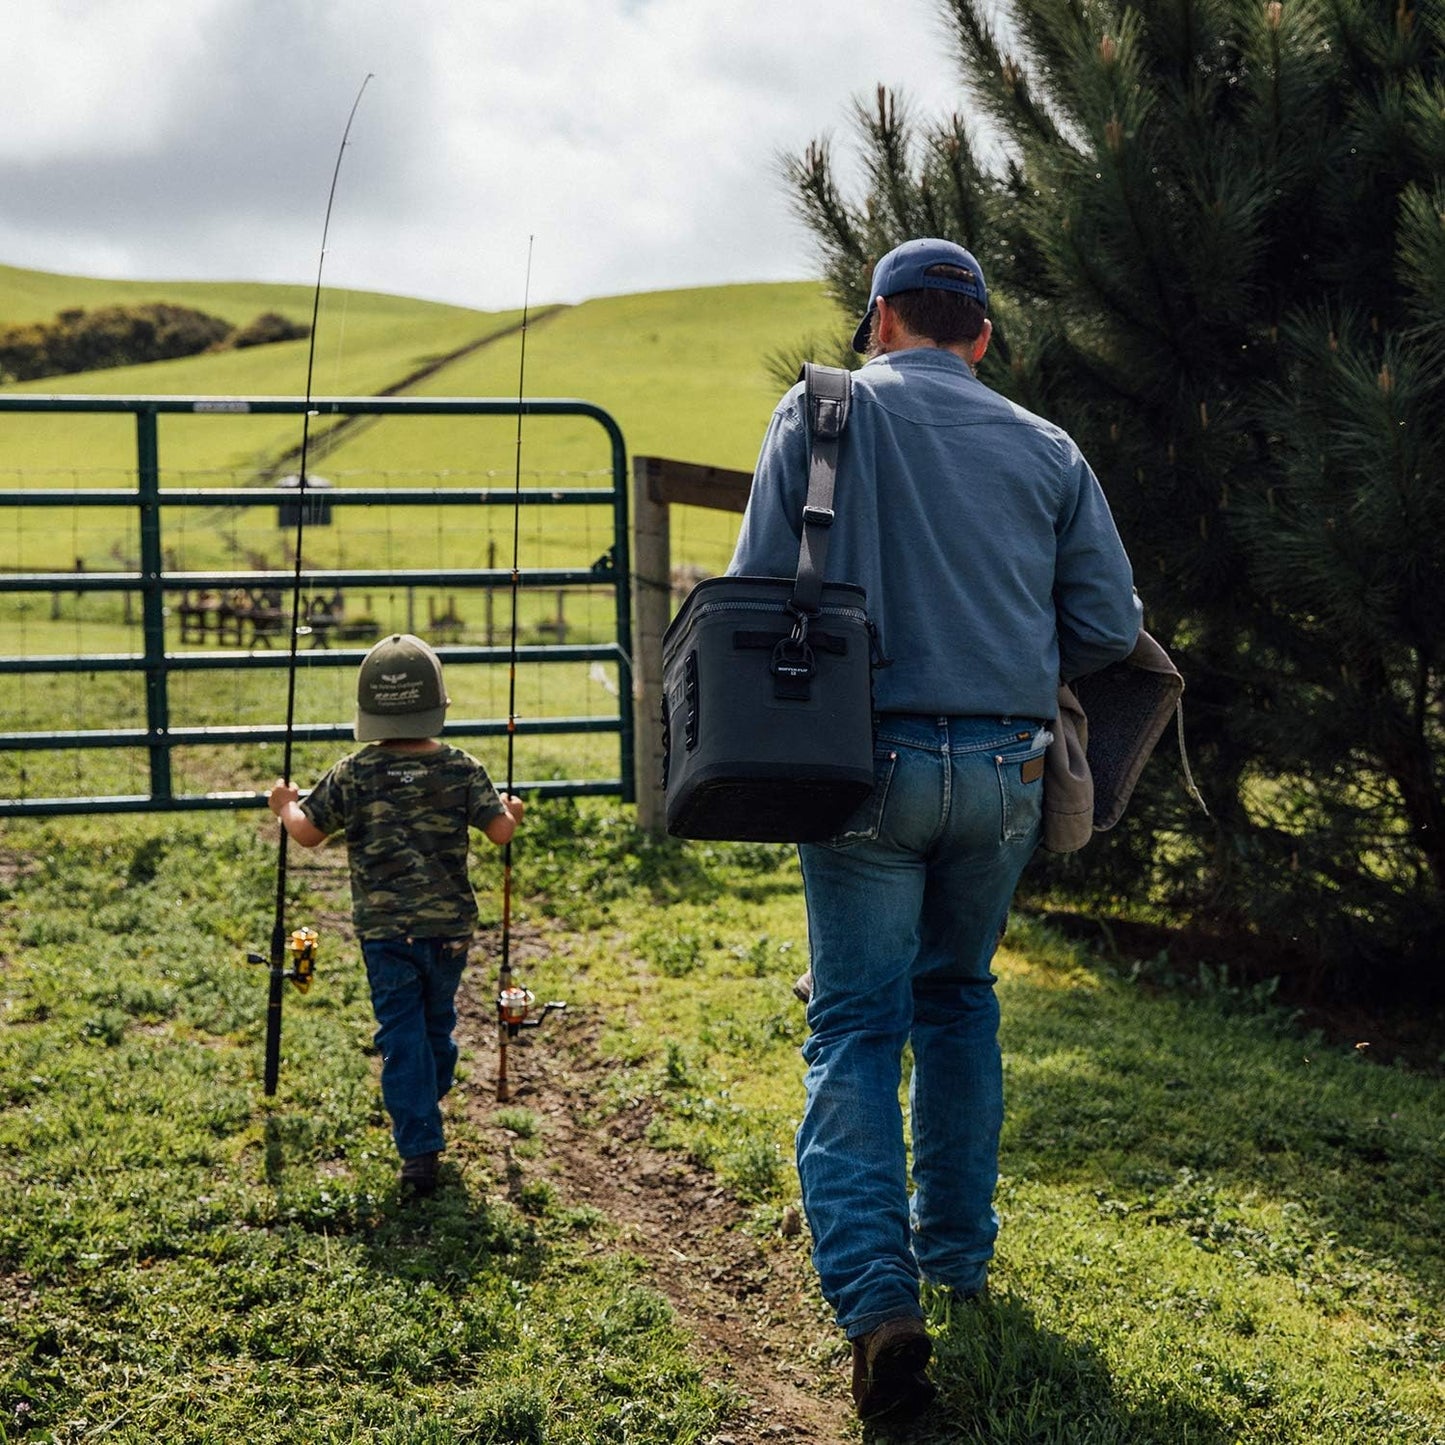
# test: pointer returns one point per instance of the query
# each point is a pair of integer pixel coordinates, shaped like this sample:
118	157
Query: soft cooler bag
767	708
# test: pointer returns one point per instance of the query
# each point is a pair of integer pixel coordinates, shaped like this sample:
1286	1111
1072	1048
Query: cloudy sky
634	140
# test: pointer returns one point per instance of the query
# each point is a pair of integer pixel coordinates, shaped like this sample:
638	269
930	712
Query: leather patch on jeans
1032	770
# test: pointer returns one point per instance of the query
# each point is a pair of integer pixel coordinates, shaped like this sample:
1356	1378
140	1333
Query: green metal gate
163	591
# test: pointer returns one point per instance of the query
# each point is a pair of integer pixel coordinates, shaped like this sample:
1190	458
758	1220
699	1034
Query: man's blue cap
916	265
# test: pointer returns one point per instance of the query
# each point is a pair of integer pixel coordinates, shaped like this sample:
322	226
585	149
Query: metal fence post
622	569
153	603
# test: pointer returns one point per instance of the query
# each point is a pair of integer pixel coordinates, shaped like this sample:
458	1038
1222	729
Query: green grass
1215	1229
178	1262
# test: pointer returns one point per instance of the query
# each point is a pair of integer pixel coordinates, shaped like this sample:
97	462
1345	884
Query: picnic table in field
256	616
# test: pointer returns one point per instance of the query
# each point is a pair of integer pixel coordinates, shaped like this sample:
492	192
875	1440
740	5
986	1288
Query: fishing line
517	528
510	1005
278	930
305	447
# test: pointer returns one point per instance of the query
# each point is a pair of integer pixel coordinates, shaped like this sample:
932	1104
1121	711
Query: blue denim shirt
982	539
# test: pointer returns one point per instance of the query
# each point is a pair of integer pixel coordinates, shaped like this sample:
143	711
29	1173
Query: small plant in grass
764	957
536	1196
755	1168
673	954
521	1122
675	1069
106	1027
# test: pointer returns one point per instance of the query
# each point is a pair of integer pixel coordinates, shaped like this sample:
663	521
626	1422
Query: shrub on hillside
79	340
269	326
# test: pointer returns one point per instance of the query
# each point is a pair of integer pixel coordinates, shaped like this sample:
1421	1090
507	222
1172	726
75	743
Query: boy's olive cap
399	691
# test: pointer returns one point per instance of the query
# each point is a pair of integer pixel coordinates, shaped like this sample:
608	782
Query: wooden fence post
658	482
652	606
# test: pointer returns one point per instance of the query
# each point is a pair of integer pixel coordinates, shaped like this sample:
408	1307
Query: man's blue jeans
413	994
905	909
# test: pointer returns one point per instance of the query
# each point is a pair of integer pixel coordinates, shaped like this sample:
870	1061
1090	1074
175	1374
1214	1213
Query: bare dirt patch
14	867
750	1302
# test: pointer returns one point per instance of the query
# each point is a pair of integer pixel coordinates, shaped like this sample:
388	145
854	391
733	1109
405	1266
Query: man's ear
888	323
980	343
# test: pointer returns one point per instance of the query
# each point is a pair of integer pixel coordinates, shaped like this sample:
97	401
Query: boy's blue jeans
413	994
905	910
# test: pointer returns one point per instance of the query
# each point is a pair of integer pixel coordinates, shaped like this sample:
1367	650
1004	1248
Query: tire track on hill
344	428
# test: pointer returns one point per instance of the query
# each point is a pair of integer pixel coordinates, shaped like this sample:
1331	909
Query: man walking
992	568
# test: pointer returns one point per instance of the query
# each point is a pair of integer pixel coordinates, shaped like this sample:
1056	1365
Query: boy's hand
285	802
501	828
282	793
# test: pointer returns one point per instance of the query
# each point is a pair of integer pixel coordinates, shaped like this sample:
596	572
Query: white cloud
78	79
636	139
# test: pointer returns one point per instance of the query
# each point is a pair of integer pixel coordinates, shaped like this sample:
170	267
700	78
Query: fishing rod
302	943
516	1006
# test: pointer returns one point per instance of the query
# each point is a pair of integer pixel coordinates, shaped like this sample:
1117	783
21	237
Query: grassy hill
38	295
684	374
365	344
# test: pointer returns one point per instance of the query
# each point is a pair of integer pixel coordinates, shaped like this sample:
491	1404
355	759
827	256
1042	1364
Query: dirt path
750	1304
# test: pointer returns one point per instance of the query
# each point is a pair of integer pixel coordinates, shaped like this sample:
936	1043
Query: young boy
406	802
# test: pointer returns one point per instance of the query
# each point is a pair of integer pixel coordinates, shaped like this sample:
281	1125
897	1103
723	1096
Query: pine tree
1215	234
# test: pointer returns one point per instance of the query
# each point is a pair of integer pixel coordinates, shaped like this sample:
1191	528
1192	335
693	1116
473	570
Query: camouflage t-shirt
406	817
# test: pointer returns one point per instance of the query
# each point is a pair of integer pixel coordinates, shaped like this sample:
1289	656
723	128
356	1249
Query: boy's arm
500	829
285	802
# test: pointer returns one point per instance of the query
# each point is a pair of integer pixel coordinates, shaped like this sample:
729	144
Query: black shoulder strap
829	392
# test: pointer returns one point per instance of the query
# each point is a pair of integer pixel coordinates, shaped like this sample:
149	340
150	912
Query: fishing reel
517	1010
302	946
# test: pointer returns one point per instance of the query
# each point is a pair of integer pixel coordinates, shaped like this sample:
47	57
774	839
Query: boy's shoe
419	1174
888	1365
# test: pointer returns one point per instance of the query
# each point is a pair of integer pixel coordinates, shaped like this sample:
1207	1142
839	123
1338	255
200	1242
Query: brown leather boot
419	1175
888	1370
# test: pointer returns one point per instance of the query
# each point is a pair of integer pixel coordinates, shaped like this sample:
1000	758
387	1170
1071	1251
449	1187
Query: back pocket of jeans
1021	787
866	819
